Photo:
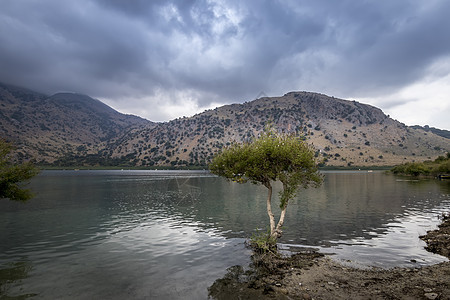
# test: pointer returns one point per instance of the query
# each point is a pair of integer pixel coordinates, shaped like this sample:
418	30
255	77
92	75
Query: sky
167	59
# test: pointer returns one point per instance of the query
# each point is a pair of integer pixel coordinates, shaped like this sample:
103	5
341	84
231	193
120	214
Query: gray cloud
141	54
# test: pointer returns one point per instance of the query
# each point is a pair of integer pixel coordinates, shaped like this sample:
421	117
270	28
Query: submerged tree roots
264	274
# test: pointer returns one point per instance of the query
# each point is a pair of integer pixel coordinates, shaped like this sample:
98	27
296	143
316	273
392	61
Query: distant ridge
345	133
69	129
440	132
46	128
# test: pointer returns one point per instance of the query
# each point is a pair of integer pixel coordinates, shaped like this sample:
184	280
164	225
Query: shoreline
311	275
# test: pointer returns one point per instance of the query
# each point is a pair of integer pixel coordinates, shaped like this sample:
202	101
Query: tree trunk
278	230
269	209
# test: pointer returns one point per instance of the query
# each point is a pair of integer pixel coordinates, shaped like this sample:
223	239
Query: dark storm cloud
220	51
395	46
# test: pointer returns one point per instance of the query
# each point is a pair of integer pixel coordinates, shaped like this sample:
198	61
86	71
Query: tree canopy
12	175
269	158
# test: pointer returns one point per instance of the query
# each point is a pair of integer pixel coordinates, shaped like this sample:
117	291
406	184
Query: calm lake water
170	234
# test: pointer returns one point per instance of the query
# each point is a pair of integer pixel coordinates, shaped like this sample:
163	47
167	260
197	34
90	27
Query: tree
271	157
12	175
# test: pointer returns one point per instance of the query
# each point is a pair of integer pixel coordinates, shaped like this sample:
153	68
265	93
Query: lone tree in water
11	175
270	158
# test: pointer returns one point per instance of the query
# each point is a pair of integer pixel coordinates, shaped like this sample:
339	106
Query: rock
431	296
427	290
306	296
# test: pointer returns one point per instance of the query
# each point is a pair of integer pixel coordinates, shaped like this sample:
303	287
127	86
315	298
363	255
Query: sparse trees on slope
270	158
11	175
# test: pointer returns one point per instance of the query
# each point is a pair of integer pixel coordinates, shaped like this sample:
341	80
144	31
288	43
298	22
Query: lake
170	234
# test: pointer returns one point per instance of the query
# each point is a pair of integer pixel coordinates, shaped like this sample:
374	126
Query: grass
263	243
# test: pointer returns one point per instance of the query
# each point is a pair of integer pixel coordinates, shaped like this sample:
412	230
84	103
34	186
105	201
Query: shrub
263	242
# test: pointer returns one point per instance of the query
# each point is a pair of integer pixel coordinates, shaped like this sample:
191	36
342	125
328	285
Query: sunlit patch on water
399	246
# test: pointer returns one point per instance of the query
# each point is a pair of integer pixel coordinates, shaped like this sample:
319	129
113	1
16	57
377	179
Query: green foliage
263	242
271	157
440	165
11	175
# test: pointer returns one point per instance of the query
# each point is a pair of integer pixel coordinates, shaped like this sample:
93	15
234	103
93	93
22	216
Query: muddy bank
438	241
310	275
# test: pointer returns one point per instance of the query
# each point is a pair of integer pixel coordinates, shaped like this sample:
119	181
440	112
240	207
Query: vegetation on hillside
437	131
344	133
439	166
71	130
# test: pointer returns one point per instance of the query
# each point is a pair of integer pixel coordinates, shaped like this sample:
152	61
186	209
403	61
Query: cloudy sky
167	59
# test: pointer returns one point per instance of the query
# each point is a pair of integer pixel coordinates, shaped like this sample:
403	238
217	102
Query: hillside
72	130
45	128
345	133
437	131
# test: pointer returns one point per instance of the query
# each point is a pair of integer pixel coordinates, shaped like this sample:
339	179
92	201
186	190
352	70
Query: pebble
306	296
431	296
427	290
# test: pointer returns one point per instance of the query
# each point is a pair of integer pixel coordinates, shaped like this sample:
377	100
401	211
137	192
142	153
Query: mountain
440	132
48	127
345	133
72	130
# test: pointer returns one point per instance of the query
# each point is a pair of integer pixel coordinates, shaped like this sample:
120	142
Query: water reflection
348	206
11	274
144	234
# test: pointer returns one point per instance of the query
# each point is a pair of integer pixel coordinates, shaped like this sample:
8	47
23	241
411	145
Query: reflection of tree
348	205
262	277
229	285
12	274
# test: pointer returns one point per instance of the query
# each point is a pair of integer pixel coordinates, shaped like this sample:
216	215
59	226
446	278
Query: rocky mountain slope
73	130
345	133
437	131
46	128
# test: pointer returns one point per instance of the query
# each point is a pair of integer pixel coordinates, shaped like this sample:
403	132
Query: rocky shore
311	275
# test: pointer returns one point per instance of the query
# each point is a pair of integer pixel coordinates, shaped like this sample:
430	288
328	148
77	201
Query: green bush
440	165
263	242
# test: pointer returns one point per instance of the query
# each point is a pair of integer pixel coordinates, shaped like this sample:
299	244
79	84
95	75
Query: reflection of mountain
158	227
87	206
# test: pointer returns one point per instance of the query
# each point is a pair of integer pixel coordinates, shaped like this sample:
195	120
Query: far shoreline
193	168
